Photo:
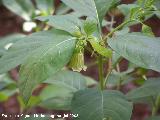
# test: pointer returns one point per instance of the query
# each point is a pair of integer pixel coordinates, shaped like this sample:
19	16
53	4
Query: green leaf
126	8
157	4
59	99
157	13
33	101
100	49
23	8
89	27
67	23
139	49
135	13
90	81
141	11
62	9
146	92
44	62
115	78
154	118
92	104
7	87
45	6
91	8
19	51
63	84
71	80
123	31
6	81
5	94
145	3
7	42
147	30
115	58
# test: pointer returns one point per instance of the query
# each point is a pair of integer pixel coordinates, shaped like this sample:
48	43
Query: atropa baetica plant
54	54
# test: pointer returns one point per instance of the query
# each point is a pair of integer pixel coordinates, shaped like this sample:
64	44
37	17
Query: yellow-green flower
77	62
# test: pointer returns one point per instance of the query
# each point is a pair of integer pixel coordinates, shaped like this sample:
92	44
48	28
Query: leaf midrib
99	26
41	58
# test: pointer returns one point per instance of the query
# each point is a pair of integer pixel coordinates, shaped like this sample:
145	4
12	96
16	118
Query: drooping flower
77	60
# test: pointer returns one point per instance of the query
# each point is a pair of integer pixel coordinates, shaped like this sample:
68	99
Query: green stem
105	38
117	28
107	76
100	71
120	80
156	106
108	71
